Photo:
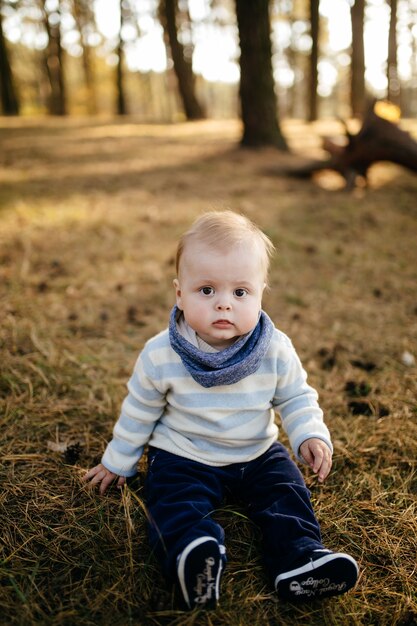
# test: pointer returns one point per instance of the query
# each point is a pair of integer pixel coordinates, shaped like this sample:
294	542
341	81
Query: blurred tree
257	89
8	94
85	21
290	17
121	107
410	108
357	76
53	58
392	64
181	58
314	57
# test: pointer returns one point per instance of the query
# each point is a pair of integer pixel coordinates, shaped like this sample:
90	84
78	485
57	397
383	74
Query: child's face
220	293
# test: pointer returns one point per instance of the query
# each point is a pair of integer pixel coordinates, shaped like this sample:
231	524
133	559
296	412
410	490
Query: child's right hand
100	475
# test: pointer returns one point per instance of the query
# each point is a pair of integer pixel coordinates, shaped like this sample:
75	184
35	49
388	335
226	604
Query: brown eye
207	291
240	293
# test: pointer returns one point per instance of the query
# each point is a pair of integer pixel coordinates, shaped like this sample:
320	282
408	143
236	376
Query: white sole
332	574
181	567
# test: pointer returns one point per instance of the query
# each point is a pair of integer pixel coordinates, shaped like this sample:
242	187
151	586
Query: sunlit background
213	38
216	49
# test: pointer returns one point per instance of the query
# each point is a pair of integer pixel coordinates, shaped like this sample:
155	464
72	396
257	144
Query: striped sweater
217	426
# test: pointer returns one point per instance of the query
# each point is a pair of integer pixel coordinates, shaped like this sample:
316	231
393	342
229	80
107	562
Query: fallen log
379	139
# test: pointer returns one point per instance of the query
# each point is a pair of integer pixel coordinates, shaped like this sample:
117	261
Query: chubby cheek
249	321
195	313
192	308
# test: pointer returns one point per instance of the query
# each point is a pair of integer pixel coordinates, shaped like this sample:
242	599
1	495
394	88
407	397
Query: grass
89	218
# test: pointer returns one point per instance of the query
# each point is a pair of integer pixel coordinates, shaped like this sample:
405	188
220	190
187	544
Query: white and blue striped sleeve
141	409
297	403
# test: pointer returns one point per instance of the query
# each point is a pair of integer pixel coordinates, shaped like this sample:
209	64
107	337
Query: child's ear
177	292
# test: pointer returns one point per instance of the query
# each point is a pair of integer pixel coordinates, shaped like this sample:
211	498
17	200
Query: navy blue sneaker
199	568
323	574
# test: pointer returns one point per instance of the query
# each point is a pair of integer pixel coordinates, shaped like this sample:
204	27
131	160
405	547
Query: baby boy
202	398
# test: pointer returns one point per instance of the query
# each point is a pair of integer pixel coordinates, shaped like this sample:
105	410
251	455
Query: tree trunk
392	66
83	17
54	64
412	98
314	57
121	107
257	93
182	66
357	83
120	97
8	95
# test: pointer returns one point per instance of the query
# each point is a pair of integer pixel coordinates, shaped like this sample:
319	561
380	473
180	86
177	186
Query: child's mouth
222	324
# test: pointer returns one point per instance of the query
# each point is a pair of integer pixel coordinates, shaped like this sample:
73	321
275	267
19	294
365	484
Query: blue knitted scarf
229	365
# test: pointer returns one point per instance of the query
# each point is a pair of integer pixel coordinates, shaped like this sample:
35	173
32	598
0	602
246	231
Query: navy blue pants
182	495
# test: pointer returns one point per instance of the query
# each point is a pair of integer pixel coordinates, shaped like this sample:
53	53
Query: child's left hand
318	456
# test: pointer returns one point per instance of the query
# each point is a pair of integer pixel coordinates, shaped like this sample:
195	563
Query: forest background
122	56
111	145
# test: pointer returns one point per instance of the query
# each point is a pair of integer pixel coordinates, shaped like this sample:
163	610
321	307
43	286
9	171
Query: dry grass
90	213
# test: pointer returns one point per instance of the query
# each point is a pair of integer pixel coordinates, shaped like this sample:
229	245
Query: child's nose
223	304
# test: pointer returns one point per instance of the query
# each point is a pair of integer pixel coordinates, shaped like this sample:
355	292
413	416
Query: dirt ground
90	212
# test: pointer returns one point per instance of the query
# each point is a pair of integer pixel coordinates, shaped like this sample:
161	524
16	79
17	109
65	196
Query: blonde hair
224	229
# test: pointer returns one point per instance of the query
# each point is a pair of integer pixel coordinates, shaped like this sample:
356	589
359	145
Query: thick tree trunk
182	66
357	76
314	58
392	65
8	95
257	90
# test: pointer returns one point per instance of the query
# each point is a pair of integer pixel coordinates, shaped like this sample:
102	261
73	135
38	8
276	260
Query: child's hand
318	456
99	475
